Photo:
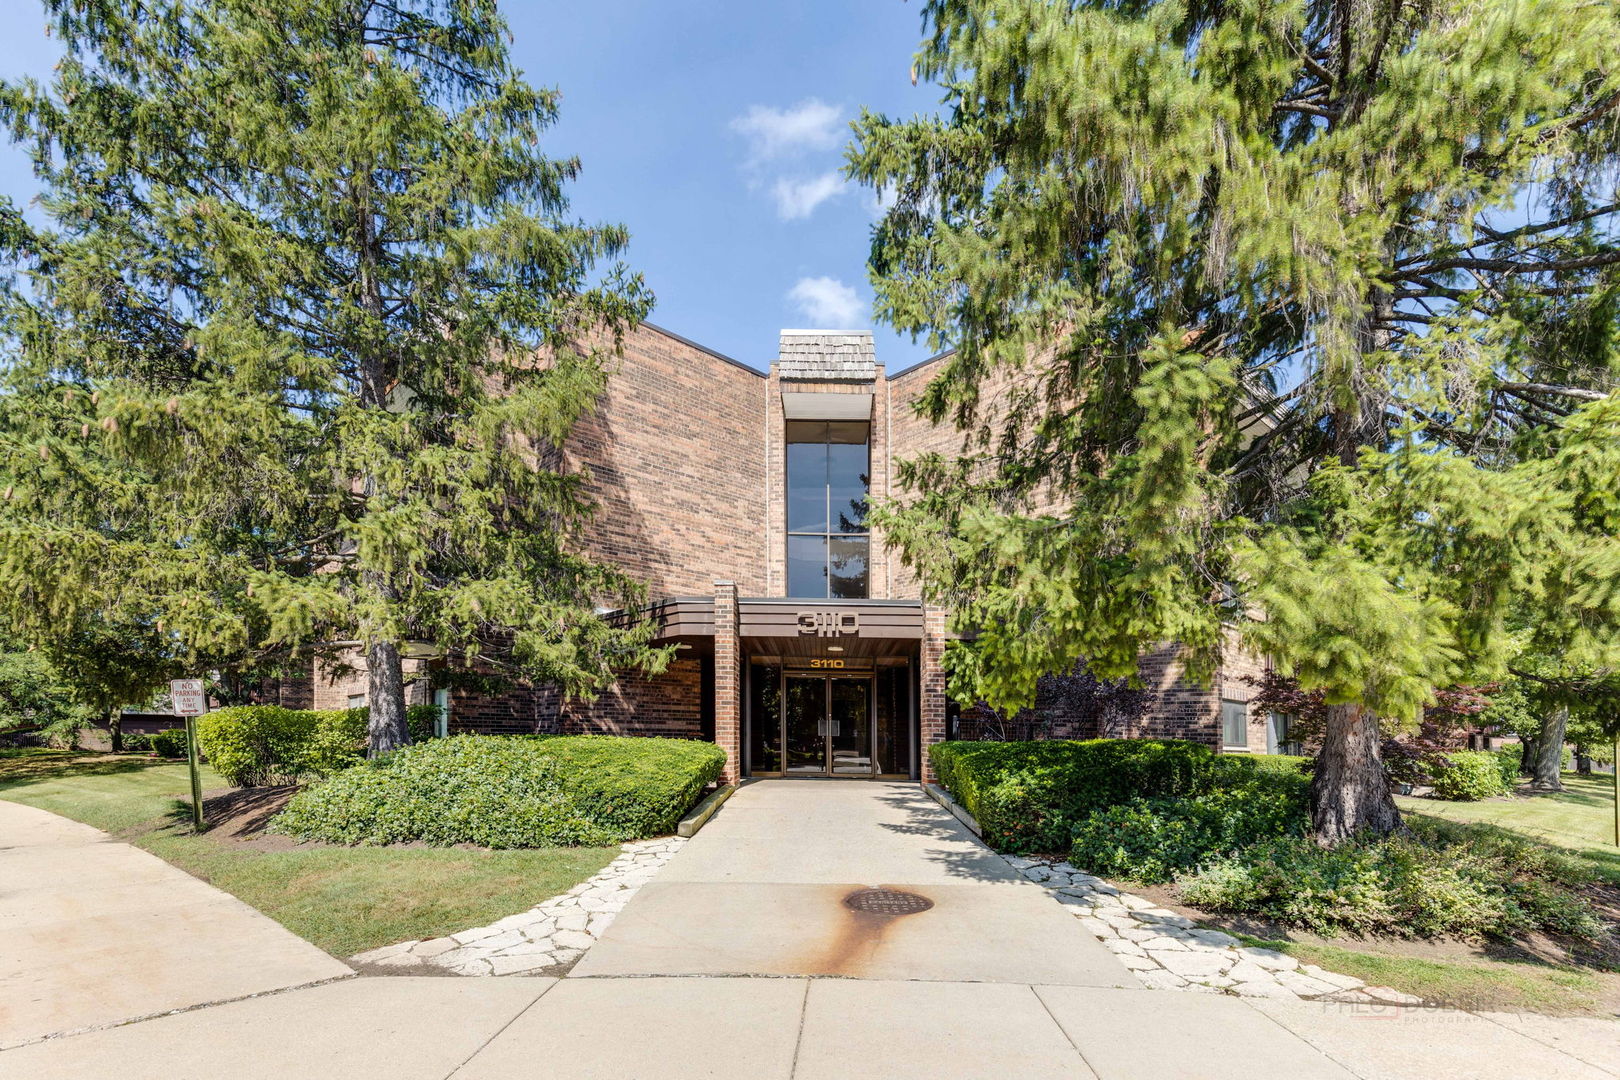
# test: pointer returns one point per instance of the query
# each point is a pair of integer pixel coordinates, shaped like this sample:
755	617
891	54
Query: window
828	544
1280	735
1235	724
357	701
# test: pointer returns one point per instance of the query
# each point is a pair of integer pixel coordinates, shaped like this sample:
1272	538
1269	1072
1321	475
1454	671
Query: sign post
191	702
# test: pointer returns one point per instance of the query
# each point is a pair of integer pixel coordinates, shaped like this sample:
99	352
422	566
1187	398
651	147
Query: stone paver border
545	940
1167	951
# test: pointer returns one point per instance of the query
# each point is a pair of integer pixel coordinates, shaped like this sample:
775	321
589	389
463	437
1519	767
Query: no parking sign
188	697
189	701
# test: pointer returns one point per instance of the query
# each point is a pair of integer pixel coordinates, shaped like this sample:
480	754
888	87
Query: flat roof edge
733	361
919	364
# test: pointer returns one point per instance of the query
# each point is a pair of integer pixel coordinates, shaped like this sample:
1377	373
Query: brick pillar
931	699
727	680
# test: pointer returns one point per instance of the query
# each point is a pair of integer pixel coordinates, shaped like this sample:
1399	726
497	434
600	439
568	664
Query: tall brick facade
685	455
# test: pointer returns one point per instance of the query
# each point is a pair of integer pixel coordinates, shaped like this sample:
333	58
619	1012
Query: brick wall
668	705
676	450
931	700
728	680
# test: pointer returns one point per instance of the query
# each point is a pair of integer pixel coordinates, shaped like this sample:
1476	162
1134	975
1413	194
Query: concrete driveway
762	890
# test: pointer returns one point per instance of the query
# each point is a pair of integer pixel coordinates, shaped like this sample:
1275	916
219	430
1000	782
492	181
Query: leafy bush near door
1030	796
254	745
503	791
1151	840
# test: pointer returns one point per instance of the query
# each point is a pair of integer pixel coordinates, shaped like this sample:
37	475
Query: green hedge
507	791
1469	775
1030	796
1151	840
254	745
170	743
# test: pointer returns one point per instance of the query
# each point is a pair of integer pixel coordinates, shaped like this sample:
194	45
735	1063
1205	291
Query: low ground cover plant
1230	834
1440	880
255	745
509	791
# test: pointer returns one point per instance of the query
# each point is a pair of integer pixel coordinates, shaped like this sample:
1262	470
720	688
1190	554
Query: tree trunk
1550	751
1583	761
115	729
1350	791
385	697
1527	755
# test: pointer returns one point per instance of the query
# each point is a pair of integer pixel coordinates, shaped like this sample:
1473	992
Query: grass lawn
1494	985
345	900
1580	818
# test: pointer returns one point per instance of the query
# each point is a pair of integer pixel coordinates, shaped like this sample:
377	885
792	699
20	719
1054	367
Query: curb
699	815
941	796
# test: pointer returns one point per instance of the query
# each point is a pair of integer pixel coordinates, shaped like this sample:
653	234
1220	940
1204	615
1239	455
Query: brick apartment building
737	497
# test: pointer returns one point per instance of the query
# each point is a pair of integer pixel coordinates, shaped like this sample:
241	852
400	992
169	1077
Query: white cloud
881	199
773	133
829	303
799	198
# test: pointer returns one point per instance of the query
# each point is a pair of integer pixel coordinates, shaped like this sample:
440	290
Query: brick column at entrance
931	682
727	680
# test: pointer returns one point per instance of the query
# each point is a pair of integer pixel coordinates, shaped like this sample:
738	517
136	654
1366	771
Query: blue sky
714	130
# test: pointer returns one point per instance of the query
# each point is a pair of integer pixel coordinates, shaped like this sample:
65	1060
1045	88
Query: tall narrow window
1235	724
828	544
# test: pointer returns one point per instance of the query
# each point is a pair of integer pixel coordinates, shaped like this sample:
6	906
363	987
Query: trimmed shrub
254	745
504	791
1029	796
1469	775
170	743
1438	881
135	741
1151	840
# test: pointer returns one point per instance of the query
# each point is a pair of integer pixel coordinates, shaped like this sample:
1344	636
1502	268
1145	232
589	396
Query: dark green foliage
1029	796
509	792
34	697
421	721
1297	319
288	350
1151	840
1444	881
1469	775
136	741
170	743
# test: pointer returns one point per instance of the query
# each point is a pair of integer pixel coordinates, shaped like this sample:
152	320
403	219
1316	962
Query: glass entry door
827	722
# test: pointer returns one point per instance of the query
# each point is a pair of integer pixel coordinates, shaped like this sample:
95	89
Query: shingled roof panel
827	355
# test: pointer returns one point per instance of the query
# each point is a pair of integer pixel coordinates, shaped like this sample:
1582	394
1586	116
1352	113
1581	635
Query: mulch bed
240	815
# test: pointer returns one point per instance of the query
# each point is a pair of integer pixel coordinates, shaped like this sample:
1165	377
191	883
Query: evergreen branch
1515	266
1522	388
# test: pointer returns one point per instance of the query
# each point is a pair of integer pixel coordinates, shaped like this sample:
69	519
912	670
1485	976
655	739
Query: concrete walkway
980	986
761	891
94	932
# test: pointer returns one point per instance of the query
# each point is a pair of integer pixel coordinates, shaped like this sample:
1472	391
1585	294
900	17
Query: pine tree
293	360
1293	317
